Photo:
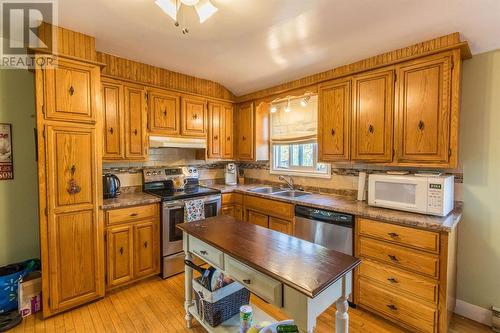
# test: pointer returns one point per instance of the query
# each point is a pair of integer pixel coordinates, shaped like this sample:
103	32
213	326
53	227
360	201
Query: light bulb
190	2
274	109
305	101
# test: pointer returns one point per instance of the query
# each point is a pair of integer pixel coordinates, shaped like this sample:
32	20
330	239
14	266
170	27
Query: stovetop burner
170	195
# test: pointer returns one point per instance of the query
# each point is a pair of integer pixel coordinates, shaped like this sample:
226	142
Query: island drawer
418	316
411	237
232	198
417	261
270	207
206	252
263	286
397	280
128	214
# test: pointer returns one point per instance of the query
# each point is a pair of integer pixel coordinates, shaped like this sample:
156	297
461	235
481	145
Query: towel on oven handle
194	210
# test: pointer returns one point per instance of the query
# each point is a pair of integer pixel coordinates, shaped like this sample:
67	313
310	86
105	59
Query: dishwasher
330	229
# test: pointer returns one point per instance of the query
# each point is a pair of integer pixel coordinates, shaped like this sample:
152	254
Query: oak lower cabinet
220	130
232	205
407	275
272	214
373	113
69	184
124	120
334	121
133	244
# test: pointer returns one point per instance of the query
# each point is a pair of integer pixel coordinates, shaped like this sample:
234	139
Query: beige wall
479	234
18	197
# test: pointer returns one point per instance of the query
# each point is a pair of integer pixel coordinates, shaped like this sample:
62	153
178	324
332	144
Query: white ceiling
253	44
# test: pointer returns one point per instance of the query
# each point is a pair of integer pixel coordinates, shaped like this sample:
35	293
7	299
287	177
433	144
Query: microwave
431	195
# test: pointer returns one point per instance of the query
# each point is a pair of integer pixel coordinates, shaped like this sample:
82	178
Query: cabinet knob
393	234
135	131
73	169
165	112
121	251
392	307
111	130
371	129
333	132
243	138
393	257
145	244
392	280
228	138
247	281
195	116
71	91
216	137
421	125
204	252
133	214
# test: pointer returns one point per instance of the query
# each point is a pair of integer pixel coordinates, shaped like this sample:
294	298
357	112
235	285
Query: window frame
299	170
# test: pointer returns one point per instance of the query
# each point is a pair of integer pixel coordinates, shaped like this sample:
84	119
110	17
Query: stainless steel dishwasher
324	227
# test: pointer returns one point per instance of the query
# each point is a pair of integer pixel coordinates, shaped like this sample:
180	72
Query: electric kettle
110	186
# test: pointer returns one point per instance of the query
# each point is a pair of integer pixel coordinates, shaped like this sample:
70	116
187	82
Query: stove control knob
148	173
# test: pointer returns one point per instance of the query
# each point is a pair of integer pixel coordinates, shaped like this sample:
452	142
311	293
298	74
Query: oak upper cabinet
245	121
220	130
193	117
424	112
373	112
70	91
120	251
334	121
164	113
114	139
135	122
72	242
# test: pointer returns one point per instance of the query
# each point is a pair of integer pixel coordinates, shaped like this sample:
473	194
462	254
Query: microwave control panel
435	196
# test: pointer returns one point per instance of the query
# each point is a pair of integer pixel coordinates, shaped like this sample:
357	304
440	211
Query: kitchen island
301	278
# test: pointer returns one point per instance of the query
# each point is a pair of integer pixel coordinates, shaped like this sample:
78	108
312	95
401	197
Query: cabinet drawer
397	280
265	287
131	214
270	207
420	239
206	252
419	316
232	198
420	262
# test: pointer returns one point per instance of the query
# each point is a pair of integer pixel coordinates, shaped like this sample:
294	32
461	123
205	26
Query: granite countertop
129	199
360	208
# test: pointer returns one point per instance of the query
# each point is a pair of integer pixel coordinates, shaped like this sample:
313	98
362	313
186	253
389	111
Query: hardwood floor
156	305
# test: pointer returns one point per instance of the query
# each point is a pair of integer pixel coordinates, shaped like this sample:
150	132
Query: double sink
279	192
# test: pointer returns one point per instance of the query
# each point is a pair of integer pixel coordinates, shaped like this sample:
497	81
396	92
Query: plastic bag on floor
9	282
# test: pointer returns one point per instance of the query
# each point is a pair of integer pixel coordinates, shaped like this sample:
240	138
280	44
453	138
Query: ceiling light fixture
288	108
203	8
305	101
274	109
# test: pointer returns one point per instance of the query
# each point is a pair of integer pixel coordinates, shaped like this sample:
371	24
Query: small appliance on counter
420	193
231	174
110	186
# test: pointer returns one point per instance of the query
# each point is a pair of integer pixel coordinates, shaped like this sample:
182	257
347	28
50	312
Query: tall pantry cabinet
68	107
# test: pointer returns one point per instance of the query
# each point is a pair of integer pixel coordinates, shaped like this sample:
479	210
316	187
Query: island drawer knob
204	252
392	280
392	307
247	281
393	257
393	234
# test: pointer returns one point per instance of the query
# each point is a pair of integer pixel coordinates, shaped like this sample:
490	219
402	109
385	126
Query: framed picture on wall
6	155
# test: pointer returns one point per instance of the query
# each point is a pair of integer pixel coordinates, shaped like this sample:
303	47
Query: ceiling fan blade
169	7
205	9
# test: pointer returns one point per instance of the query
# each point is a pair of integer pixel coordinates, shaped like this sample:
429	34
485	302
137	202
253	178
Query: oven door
173	214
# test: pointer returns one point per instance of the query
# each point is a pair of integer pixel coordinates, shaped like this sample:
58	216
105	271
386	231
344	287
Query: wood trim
432	46
67	42
137	72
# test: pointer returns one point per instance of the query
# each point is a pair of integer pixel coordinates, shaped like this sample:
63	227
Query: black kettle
110	186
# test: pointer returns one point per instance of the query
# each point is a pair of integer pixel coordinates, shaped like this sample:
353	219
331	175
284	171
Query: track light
305	101
288	108
274	109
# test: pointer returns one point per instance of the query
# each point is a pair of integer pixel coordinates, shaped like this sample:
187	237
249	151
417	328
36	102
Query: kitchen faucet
289	182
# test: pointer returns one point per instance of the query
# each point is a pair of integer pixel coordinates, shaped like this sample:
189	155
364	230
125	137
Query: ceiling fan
204	9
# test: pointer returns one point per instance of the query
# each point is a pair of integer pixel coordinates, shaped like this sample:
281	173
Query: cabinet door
238	212
227	132
334	116
373	117
73	235
227	210
71	90
144	243
258	218
280	225
215	132
164	113
114	140
424	111
245	132
119	256
194	117
135	122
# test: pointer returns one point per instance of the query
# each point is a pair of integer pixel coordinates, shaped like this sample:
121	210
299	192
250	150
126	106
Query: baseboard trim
473	312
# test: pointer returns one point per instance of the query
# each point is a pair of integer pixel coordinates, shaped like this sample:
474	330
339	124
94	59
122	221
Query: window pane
298	157
321	167
295	155
308	155
281	153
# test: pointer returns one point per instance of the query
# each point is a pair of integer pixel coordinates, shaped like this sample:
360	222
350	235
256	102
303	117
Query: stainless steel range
164	183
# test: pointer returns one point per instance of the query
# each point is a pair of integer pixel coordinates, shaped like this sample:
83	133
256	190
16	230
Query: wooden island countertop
306	267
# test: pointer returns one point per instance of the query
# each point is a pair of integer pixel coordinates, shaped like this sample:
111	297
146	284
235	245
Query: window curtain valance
299	125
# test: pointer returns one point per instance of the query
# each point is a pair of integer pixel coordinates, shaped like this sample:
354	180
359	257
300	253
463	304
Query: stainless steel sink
291	194
265	190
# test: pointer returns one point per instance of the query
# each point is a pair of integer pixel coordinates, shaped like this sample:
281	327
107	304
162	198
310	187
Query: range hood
167	142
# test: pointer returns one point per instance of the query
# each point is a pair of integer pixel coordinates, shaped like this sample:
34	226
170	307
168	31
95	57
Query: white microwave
431	195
